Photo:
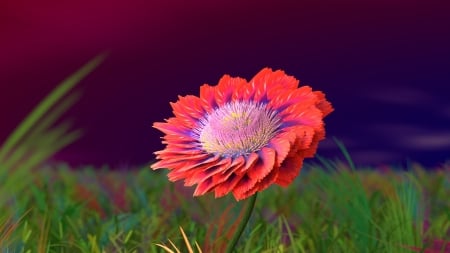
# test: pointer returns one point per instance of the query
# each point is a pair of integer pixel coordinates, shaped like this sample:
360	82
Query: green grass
331	207
89	210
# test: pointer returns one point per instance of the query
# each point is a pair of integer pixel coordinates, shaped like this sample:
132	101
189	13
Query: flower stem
242	225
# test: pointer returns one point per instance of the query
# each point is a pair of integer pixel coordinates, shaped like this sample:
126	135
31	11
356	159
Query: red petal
204	187
323	104
282	145
269	179
207	97
226	187
237	170
203	172
225	174
204	178
226	89
264	165
304	137
318	136
255	173
169	127
176	152
275	80
289	170
244	185
179	139
198	161
282	98
303	116
262	185
188	110
250	160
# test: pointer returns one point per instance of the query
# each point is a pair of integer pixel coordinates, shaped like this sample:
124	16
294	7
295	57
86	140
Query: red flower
241	136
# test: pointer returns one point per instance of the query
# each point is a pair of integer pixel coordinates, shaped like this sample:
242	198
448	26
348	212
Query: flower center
237	128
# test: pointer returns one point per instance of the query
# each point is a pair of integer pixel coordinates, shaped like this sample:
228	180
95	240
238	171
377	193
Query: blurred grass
117	211
331	207
36	138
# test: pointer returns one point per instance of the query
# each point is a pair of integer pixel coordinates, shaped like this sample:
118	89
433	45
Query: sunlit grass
331	207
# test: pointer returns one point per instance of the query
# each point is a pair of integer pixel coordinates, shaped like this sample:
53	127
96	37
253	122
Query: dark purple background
383	64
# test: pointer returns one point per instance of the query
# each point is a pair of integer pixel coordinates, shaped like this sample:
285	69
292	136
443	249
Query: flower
241	137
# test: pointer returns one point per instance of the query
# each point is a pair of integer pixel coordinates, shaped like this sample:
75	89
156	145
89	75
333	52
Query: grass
91	210
331	207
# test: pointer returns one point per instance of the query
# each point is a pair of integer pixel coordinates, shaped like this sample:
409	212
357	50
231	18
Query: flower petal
282	98
282	145
264	164
224	188
250	160
227	87
256	173
275	80
207	97
188	110
289	170
204	178
318	136
208	170
322	104
303	116
245	184
276	159
170	128
262	185
225	174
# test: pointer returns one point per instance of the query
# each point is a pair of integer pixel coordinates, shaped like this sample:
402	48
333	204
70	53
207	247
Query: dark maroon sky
383	64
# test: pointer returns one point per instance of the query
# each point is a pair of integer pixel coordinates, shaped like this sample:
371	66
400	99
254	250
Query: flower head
241	137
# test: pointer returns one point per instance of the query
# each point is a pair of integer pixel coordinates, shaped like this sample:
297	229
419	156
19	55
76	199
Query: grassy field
99	210
331	207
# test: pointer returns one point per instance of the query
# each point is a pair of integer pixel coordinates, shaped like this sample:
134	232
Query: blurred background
384	65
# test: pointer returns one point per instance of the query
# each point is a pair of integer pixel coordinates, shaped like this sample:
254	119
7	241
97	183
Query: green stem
244	222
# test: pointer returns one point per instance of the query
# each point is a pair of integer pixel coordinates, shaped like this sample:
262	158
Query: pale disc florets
237	128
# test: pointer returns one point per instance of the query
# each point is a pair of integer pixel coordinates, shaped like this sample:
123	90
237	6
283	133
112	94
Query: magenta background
383	64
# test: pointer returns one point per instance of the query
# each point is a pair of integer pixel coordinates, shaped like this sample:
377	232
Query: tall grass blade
35	140
47	103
